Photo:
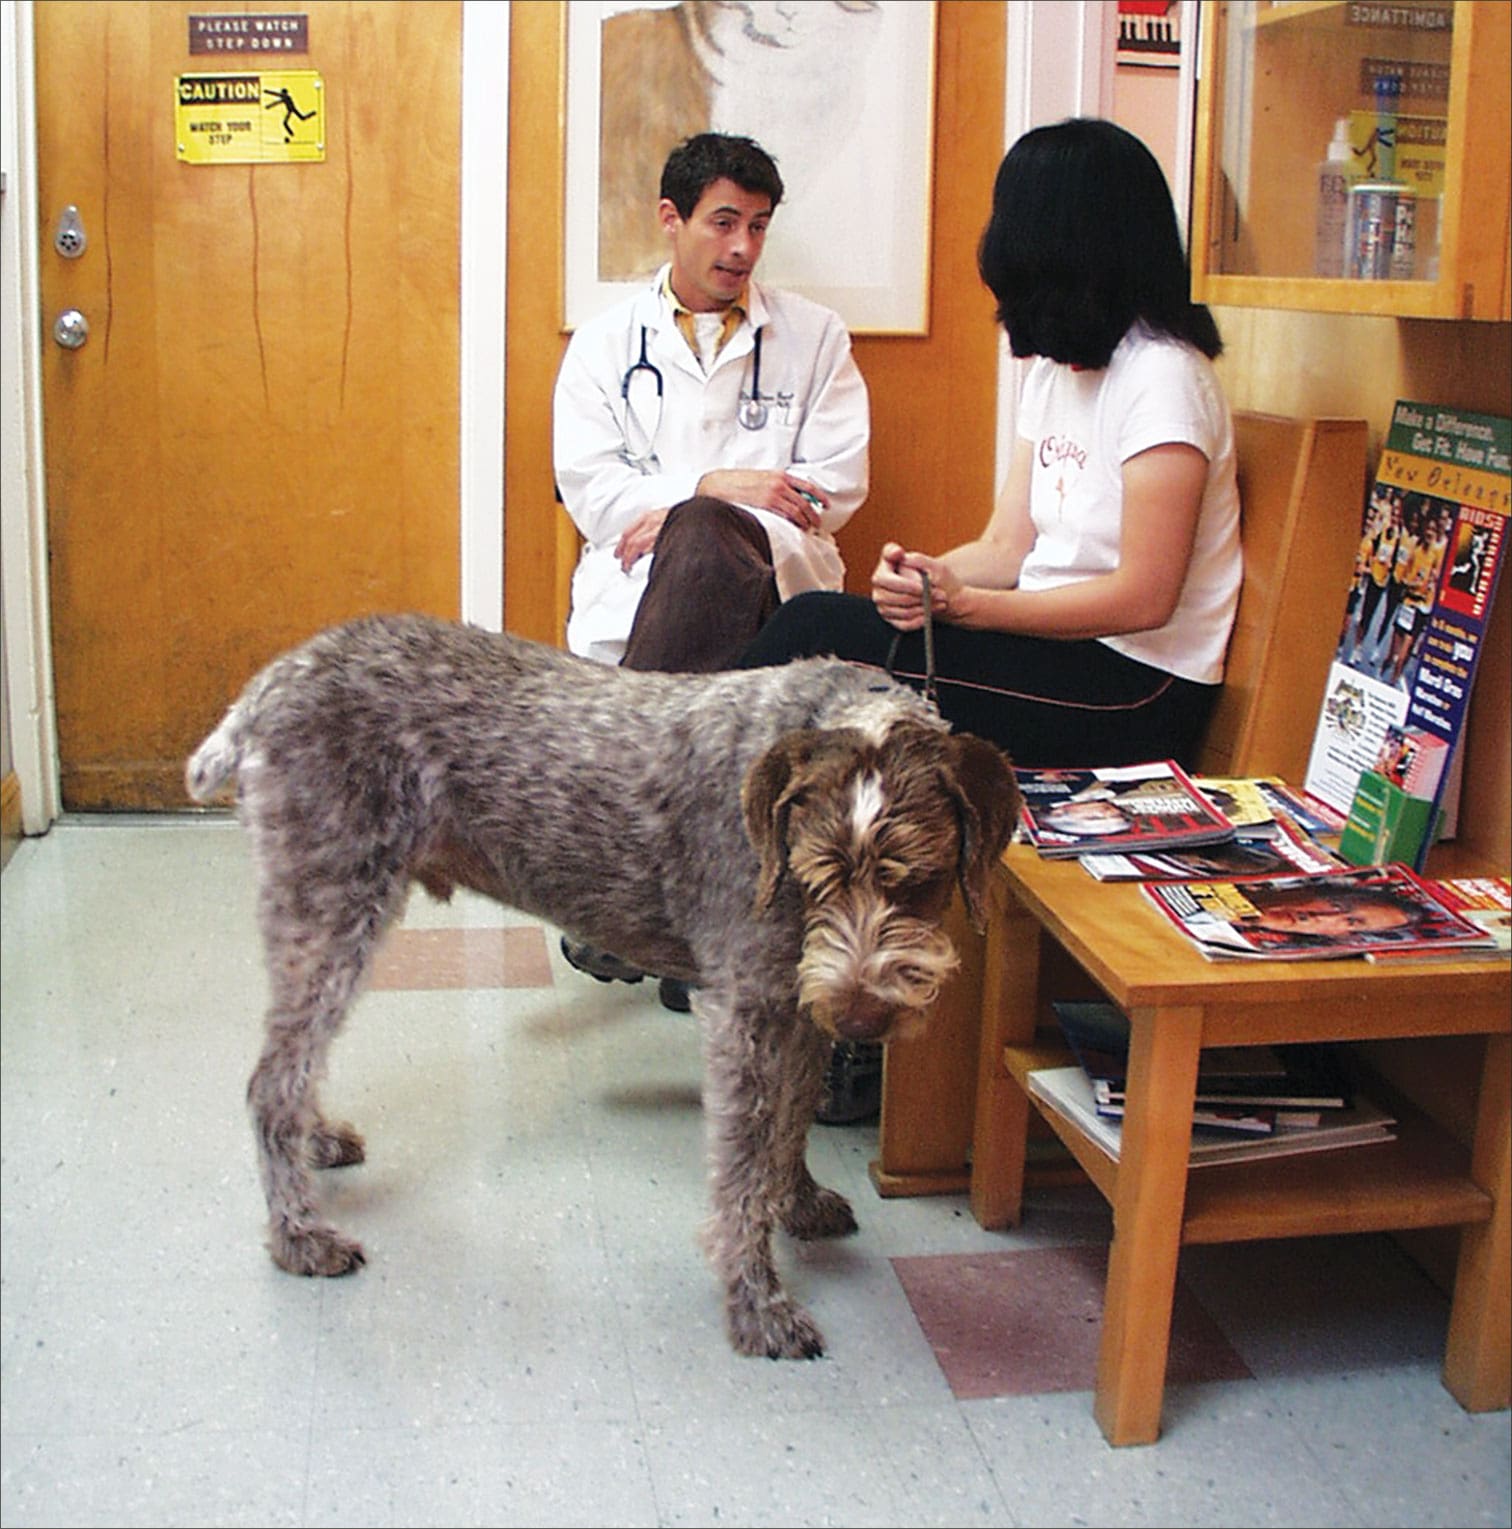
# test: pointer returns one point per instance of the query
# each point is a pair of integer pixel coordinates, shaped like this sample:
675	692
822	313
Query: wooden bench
1302	488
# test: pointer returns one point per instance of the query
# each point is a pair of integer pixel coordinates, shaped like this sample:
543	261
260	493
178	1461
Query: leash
929	653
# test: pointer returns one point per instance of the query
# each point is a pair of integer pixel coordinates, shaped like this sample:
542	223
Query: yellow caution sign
252	117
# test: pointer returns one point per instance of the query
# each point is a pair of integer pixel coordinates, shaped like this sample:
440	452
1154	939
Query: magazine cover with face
1343	913
1148	807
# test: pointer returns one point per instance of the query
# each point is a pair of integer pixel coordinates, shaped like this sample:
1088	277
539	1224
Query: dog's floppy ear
766	796
980	778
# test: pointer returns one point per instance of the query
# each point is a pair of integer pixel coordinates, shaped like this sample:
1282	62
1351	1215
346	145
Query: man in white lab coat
710	435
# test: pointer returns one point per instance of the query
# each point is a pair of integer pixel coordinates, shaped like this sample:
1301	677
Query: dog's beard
870	973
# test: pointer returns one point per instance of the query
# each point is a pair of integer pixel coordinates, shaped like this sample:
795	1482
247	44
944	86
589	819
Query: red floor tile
1019	1324
419	959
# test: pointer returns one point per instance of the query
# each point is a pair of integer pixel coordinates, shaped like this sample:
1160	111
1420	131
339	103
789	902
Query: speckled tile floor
535	1338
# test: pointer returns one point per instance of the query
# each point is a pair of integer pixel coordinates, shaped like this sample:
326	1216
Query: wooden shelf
1419	1179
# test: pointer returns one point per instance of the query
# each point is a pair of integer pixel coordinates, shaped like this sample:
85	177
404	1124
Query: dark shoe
853	1084
674	995
599	963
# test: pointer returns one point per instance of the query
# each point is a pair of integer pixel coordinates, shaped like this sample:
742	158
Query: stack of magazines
1128	809
1251	1102
1370	910
1275	833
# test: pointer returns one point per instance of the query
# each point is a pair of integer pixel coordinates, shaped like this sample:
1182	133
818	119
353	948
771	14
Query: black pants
1045	702
711	588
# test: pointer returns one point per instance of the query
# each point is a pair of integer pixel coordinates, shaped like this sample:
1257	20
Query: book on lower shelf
1068	1091
1343	913
1151	806
1300	1077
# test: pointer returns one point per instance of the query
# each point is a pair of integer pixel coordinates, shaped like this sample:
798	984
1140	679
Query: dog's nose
864	1018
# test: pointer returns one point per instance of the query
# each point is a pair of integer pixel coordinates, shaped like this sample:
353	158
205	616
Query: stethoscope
752	411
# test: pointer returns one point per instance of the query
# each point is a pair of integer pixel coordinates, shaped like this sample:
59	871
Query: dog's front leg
746	1050
808	1209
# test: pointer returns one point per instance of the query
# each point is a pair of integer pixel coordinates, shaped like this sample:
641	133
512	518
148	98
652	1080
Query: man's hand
794	498
639	539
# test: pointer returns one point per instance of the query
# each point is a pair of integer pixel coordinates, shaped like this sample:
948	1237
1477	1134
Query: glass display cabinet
1353	157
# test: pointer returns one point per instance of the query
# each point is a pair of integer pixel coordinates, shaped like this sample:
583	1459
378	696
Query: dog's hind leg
750	1177
315	973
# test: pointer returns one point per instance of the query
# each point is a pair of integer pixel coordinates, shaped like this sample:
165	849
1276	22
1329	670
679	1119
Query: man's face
715	251
1326	915
1092	817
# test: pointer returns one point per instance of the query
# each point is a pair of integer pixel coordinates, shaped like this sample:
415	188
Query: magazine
1067	1091
1432	544
1241	799
1299	1076
1295	806
1151	806
1283	851
1297	918
1486	901
1235	1119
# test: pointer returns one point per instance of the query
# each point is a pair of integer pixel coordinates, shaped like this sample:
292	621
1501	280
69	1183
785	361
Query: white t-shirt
1084	425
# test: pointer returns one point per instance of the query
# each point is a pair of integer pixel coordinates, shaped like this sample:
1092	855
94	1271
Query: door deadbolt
69	239
71	329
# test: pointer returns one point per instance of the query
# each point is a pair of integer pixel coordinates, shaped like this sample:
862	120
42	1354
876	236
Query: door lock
69	239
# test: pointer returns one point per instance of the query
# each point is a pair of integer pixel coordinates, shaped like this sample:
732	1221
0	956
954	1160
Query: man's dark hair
1083	242
697	162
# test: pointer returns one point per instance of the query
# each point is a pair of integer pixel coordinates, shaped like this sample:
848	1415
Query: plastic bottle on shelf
1333	204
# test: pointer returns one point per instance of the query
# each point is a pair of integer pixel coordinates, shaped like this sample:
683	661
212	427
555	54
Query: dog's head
876	836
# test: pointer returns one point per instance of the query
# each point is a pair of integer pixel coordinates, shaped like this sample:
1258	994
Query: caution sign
256	117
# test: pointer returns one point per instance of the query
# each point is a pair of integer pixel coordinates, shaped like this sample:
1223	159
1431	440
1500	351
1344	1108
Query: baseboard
10	812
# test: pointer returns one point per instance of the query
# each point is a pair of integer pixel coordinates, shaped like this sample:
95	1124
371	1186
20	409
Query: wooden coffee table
1177	1001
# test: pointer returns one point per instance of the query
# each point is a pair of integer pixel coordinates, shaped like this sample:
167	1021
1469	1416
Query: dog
786	840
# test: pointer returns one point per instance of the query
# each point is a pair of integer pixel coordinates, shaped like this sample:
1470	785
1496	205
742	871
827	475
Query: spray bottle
1333	205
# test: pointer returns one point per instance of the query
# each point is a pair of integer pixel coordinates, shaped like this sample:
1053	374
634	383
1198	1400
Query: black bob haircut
1083	243
697	162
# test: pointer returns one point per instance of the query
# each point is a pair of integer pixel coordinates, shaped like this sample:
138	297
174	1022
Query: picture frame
1149	34
839	92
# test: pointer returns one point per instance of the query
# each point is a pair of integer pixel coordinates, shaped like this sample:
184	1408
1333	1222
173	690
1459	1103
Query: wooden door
933	396
260	435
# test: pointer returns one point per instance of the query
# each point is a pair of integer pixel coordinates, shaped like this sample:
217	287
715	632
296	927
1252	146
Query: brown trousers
710	591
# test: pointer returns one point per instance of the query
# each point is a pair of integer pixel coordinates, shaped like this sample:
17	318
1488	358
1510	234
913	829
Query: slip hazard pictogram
250	117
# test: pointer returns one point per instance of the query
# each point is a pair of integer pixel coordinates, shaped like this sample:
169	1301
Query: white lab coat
818	426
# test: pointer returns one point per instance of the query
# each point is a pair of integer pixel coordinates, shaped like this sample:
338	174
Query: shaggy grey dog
785	839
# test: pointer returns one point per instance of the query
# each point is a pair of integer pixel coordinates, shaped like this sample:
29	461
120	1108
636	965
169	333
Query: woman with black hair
1087	624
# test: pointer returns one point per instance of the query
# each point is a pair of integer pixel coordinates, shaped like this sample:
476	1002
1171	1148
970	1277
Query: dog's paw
819	1212
319	1250
335	1146
773	1329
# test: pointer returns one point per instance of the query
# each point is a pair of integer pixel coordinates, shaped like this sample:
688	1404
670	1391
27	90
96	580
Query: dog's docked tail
217	759
215	762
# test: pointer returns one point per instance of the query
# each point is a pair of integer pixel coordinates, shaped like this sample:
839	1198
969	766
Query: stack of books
1251	1101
